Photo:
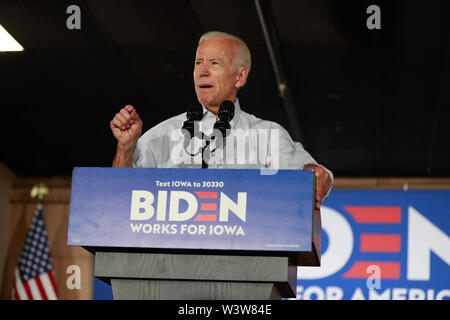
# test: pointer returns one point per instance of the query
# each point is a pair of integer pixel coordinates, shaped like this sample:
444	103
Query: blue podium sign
221	209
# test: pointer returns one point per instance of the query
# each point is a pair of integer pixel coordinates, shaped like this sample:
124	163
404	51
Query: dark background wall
368	102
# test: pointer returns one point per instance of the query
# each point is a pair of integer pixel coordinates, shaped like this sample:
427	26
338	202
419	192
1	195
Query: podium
189	234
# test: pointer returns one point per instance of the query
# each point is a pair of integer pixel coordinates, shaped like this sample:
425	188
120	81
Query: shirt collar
237	113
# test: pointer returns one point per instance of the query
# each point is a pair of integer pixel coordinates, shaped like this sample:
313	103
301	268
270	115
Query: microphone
225	113
194	113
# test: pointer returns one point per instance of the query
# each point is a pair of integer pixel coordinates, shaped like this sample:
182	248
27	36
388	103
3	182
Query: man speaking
222	64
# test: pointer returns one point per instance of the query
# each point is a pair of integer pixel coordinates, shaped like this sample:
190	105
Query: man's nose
204	71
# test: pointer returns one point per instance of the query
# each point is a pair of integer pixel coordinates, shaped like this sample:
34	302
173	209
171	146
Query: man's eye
215	63
197	63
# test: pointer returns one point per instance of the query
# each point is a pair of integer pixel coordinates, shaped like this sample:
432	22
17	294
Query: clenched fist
126	128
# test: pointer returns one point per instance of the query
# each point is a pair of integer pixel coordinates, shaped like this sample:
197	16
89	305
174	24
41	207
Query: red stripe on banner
28	291
380	243
41	288
206	217
388	270
208	206
52	281
206	194
391	215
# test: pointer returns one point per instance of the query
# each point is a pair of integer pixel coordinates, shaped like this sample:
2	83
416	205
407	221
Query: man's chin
208	102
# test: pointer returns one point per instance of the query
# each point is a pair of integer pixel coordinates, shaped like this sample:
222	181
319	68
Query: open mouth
205	86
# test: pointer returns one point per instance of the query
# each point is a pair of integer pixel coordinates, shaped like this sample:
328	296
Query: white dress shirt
253	143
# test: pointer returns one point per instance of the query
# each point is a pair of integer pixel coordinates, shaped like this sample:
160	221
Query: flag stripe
49	284
41	287
52	281
20	290
34	289
27	291
15	294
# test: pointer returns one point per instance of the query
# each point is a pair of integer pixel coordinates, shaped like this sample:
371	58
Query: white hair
243	57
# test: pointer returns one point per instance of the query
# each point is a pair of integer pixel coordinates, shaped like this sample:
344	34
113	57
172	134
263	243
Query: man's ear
241	78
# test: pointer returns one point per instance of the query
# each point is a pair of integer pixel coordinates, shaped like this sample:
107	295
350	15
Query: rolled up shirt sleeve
301	157
143	156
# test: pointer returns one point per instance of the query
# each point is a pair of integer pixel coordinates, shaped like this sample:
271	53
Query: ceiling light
7	42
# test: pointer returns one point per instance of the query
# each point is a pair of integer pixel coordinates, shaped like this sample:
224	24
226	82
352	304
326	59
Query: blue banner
382	245
191	209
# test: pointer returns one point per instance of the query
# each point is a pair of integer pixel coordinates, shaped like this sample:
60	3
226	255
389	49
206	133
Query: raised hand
126	128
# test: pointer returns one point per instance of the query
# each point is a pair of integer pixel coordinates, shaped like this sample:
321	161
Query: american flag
34	274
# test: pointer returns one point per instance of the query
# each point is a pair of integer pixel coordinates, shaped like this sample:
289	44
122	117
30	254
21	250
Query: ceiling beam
273	43
192	15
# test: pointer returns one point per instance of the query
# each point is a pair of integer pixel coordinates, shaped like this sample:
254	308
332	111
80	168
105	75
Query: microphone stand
204	164
207	143
225	113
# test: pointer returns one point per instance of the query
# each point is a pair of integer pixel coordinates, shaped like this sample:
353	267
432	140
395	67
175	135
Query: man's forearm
124	157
